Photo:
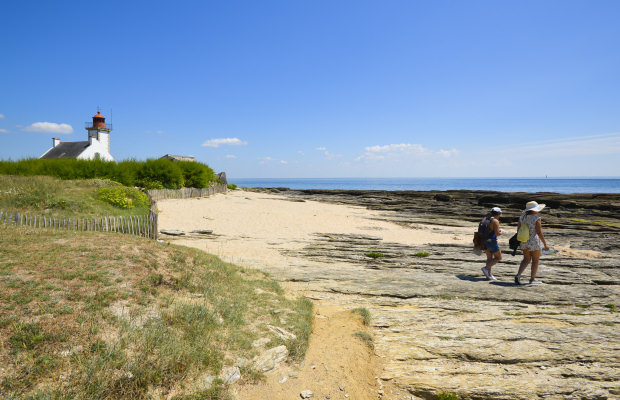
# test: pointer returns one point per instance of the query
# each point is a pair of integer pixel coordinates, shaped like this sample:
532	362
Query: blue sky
322	88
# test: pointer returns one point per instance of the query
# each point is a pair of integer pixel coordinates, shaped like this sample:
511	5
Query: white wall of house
96	147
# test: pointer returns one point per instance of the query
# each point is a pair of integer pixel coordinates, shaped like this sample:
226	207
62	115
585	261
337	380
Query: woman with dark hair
494	254
536	241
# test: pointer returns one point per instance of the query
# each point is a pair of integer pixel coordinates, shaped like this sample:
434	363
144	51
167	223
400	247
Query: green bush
375	254
195	174
232	186
123	197
163	171
149	174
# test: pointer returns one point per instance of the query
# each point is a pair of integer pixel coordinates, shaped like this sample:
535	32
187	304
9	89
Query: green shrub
365	338
195	174
447	396
123	197
151	174
421	254
364	313
374	254
232	186
166	172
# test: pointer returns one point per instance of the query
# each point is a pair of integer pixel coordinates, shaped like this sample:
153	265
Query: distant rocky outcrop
222	177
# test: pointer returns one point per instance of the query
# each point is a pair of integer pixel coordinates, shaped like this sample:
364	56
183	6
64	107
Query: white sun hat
496	209
533	206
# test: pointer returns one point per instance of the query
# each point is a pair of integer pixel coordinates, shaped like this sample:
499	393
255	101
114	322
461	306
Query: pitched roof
66	150
179	158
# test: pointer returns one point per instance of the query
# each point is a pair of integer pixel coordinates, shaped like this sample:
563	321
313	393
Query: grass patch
365	338
447	396
374	254
611	307
364	313
421	254
52	197
583	221
101	315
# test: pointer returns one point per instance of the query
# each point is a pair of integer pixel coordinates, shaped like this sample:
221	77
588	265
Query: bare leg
527	257
535	260
493	259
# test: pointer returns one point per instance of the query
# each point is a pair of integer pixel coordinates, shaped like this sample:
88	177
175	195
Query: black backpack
484	228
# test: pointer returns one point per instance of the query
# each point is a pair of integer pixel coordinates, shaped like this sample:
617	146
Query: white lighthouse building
97	146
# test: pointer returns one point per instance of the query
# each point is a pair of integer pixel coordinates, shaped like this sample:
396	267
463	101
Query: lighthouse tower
96	148
99	131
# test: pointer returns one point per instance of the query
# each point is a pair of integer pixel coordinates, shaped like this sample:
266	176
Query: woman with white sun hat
536	241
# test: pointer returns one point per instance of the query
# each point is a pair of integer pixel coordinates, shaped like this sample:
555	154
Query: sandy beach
253	228
438	326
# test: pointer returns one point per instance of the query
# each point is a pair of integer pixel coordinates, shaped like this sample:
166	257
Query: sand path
259	230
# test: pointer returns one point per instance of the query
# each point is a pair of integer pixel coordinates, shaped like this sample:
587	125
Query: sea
531	185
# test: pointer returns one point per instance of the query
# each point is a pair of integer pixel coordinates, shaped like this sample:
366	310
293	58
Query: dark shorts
491	245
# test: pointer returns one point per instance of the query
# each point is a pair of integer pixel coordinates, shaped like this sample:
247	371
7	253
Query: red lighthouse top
99	120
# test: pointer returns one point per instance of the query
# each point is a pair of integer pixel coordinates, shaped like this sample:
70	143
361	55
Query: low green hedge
149	174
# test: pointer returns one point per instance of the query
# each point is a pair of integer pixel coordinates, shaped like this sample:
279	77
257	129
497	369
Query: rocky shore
444	328
438	325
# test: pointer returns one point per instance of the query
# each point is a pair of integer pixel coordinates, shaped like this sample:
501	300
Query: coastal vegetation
364	313
447	396
375	254
365	338
102	315
148	174
92	315
51	196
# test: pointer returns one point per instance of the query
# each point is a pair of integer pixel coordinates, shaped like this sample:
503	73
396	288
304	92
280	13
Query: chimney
55	142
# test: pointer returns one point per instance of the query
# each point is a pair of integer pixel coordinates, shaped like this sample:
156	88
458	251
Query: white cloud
231	156
224	142
1	116
4	131
265	160
49	127
448	153
327	154
301	153
393	150
283	162
568	147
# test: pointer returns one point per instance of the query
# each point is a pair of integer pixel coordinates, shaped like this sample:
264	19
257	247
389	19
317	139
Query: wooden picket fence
187	193
139	225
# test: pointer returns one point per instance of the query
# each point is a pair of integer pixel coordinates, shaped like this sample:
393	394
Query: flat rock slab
444	328
438	324
172	232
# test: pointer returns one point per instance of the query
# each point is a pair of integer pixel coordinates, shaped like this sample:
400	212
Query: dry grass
45	195
108	316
